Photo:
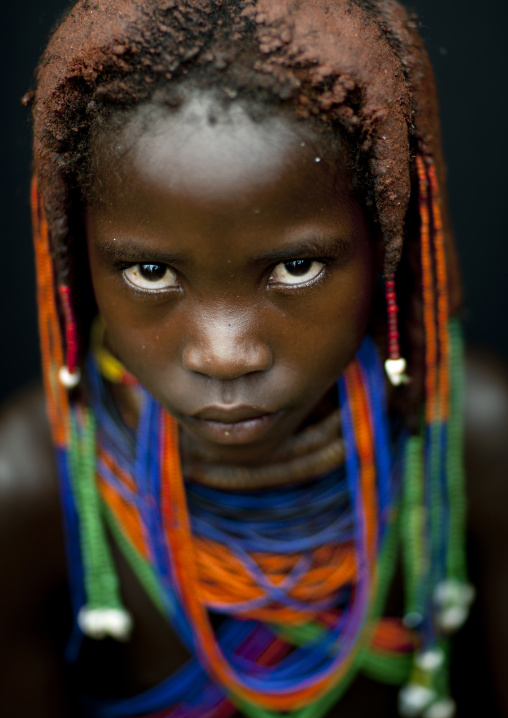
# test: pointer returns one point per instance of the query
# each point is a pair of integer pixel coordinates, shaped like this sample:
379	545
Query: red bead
392	312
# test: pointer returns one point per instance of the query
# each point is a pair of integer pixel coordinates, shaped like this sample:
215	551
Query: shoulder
485	640
27	464
31	543
34	609
486	441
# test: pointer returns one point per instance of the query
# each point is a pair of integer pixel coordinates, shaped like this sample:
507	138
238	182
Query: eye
296	272
151	277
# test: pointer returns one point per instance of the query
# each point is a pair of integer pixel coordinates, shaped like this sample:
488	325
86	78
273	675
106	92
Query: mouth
233	425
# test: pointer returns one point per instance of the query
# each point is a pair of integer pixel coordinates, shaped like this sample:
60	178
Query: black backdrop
468	47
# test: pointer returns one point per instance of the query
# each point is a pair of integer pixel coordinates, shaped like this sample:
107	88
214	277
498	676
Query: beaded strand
395	365
70	374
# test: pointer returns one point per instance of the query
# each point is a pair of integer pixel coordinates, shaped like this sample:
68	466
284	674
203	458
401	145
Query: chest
109	669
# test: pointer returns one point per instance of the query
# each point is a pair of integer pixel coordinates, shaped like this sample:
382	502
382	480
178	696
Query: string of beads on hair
395	365
431	354
49	325
73	429
70	373
438	595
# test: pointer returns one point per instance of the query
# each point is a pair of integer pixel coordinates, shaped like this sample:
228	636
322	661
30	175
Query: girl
254	191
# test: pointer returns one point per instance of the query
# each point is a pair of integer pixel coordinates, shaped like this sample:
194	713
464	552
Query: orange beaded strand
49	324
442	296
431	356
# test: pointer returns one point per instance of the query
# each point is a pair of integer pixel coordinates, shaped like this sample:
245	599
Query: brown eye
296	272
151	276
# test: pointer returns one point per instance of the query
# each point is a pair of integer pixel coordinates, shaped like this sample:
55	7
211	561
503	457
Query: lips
233	425
230	414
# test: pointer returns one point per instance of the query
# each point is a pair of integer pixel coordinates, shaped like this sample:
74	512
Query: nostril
223	361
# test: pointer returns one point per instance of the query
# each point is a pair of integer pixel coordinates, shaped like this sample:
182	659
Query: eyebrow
315	246
129	250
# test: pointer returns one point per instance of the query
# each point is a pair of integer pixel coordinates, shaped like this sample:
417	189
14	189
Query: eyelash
301	288
144	295
295	289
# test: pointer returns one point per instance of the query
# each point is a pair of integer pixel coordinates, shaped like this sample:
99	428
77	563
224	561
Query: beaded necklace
282	571
292	638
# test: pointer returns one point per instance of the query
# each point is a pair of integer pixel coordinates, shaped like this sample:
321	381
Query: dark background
468	46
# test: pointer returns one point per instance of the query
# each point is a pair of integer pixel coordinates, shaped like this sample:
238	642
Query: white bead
430	660
413	699
453	591
119	624
452	618
101	622
69	379
444	708
90	622
395	369
453	600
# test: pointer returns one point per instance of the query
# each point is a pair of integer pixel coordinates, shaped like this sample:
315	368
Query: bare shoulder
485	640
31	546
34	607
486	441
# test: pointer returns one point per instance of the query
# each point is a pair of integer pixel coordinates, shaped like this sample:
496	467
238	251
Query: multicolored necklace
302	604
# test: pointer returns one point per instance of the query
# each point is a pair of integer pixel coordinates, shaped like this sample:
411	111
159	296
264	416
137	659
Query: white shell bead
395	369
101	622
413	699
444	708
69	379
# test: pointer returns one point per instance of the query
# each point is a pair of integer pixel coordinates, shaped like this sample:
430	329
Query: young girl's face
233	268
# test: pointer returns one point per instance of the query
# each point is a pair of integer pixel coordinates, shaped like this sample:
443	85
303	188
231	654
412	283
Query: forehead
210	187
213	148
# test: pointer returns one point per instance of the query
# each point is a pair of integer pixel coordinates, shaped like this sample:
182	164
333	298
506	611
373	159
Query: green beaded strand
456	558
104	612
141	567
415	557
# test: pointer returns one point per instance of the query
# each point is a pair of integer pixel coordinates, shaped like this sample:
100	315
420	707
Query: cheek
132	331
147	349
329	335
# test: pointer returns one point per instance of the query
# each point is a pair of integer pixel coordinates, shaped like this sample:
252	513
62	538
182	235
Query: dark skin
236	344
221	257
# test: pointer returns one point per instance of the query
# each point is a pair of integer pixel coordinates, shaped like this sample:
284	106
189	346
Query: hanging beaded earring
395	365
69	374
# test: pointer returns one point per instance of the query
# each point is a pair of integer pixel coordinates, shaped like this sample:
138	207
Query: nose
224	347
